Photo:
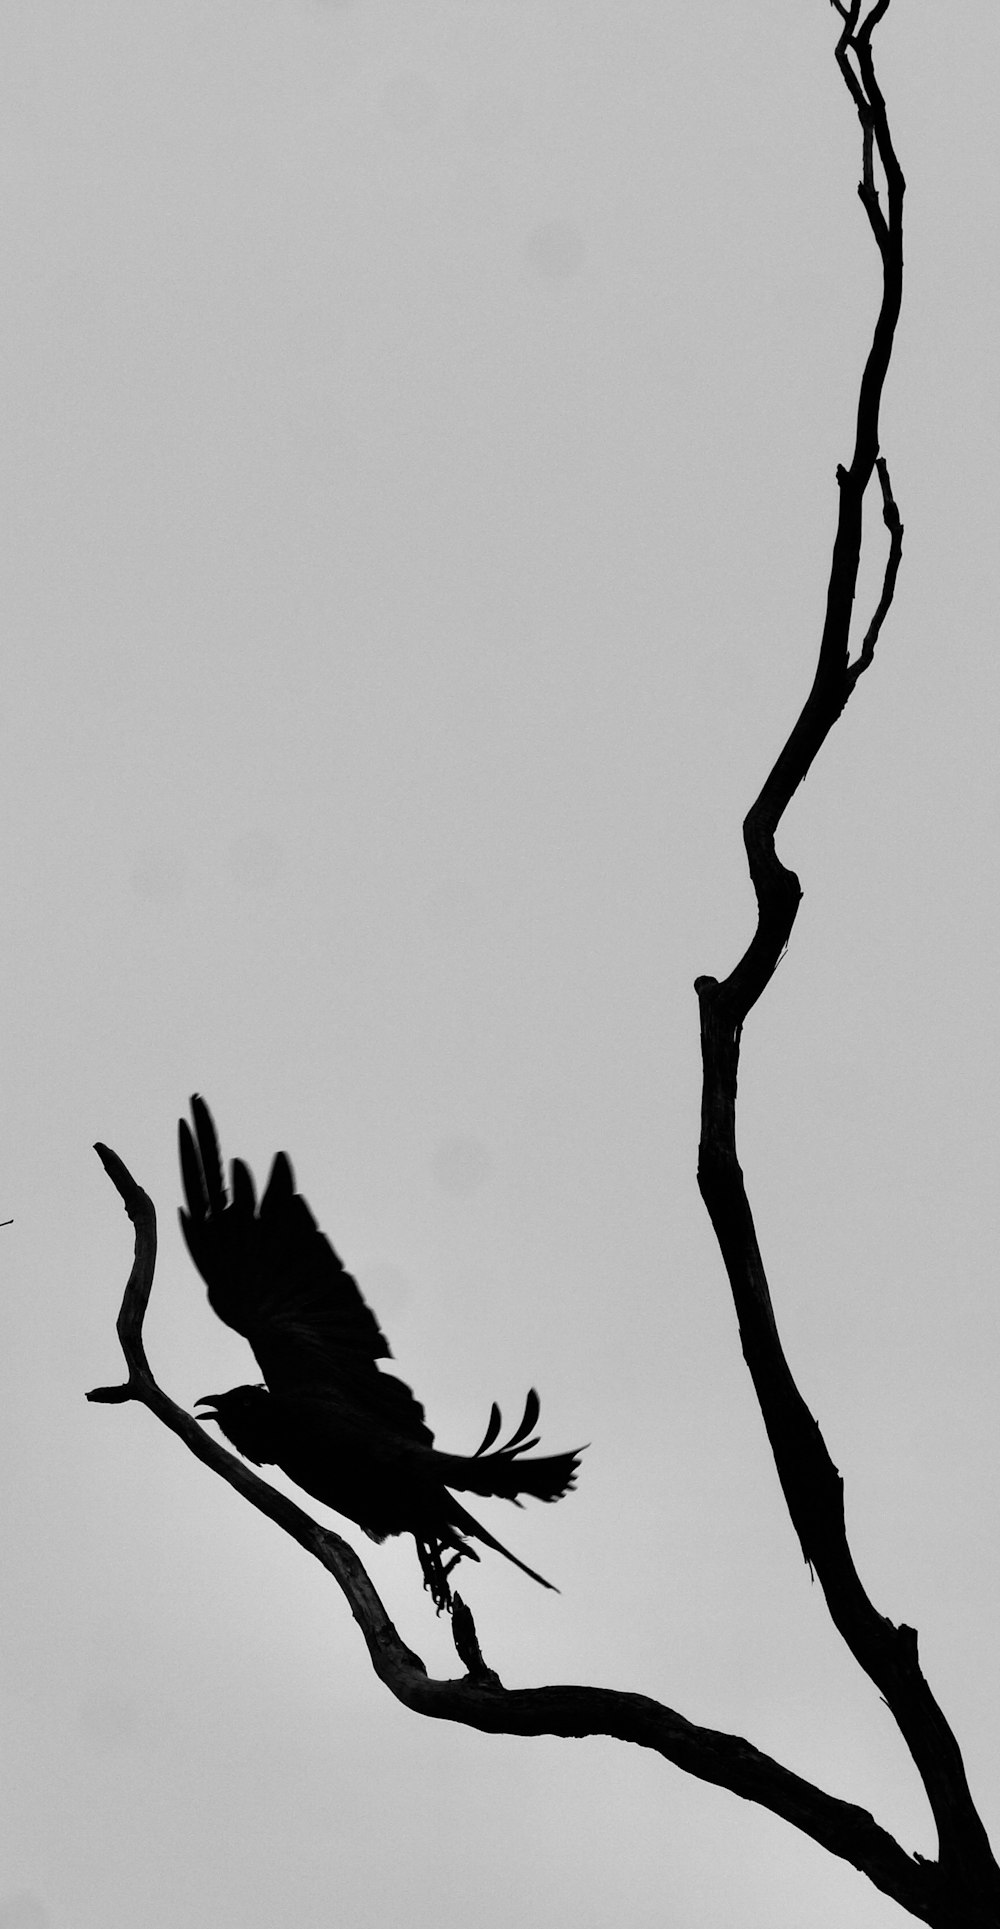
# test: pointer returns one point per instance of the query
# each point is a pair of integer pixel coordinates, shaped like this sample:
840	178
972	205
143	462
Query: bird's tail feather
504	1472
463	1520
502	1475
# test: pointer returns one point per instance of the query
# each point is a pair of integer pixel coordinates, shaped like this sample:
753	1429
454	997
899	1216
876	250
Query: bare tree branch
811	1484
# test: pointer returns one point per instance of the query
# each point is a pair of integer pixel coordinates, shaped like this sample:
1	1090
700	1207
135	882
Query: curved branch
811	1484
479	1700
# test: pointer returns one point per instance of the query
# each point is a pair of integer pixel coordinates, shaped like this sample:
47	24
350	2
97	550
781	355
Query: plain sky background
419	425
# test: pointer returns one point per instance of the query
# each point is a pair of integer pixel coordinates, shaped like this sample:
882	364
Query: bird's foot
436	1569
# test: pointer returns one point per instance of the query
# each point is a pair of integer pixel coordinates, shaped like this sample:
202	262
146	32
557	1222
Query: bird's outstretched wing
275	1277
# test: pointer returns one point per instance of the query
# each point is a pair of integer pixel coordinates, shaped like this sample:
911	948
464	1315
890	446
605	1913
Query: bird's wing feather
273	1276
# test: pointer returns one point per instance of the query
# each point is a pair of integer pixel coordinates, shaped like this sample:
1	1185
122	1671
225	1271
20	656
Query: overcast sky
419	434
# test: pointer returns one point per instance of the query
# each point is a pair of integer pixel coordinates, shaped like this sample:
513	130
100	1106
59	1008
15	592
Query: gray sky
419	433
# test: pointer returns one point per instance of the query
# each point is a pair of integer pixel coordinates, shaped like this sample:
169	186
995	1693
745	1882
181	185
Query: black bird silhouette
349	1434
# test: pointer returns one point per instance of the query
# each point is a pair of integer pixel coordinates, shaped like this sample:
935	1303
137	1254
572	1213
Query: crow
349	1434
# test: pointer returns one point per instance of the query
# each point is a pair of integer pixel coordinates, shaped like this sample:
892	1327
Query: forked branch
812	1486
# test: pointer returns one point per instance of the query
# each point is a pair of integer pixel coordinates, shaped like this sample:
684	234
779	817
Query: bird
347	1433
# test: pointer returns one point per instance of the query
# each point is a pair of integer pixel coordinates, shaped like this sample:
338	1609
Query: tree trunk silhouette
961	1888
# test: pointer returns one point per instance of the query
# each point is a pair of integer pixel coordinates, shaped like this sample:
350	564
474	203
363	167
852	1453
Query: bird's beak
207	1400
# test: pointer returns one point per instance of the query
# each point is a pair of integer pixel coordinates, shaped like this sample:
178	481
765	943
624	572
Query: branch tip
467	1646
113	1395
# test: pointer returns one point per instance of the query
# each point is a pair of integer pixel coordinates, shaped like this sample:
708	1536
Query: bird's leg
436	1570
435	1573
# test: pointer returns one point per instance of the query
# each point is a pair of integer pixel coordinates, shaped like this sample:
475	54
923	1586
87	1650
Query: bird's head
243	1415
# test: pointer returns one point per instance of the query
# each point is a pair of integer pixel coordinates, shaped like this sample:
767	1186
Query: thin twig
891	518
